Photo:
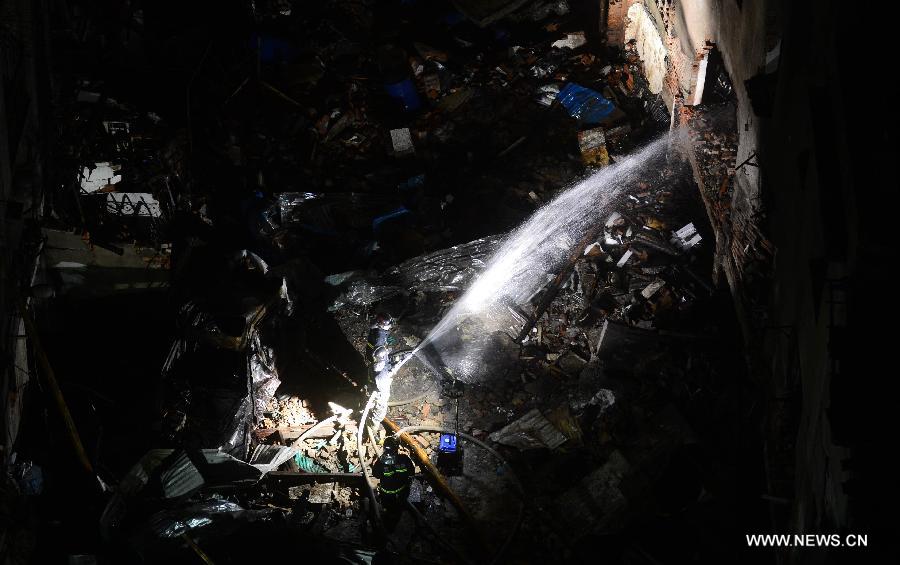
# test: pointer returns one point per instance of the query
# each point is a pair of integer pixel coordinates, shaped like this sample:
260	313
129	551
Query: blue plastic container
404	92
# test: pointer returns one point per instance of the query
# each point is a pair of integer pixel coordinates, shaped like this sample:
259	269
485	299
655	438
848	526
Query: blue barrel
404	92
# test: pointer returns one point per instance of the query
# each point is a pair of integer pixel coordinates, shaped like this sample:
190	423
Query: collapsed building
601	269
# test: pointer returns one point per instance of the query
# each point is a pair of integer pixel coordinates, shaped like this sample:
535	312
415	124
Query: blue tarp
584	104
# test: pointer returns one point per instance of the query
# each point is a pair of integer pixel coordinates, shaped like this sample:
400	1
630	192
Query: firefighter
395	471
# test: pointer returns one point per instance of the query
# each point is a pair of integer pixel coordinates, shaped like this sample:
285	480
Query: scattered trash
454	100
415	491
133	204
624	259
547	94
401	140
651	288
100	176
571	41
686	237
320	493
592	143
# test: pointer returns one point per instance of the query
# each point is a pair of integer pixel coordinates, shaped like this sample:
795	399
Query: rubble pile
286	412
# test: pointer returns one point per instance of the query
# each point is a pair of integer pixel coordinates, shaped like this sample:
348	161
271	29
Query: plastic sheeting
447	270
586	105
213	516
331	214
262	383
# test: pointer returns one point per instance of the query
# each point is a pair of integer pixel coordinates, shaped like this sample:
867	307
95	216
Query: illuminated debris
290	203
445	270
547	94
571	41
401	141
132	204
320	493
624	259
592	143
100	176
686	237
531	431
618	142
651	288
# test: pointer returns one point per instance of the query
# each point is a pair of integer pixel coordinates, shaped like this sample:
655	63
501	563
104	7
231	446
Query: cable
394	403
376	510
489	449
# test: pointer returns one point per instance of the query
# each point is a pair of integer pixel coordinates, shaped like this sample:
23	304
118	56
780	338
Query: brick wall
615	21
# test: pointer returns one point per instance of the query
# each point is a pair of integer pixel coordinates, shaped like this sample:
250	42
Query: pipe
407	400
435	429
376	510
296	445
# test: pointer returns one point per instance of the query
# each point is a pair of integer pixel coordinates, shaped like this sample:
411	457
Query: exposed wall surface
641	27
692	30
686	31
615	21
